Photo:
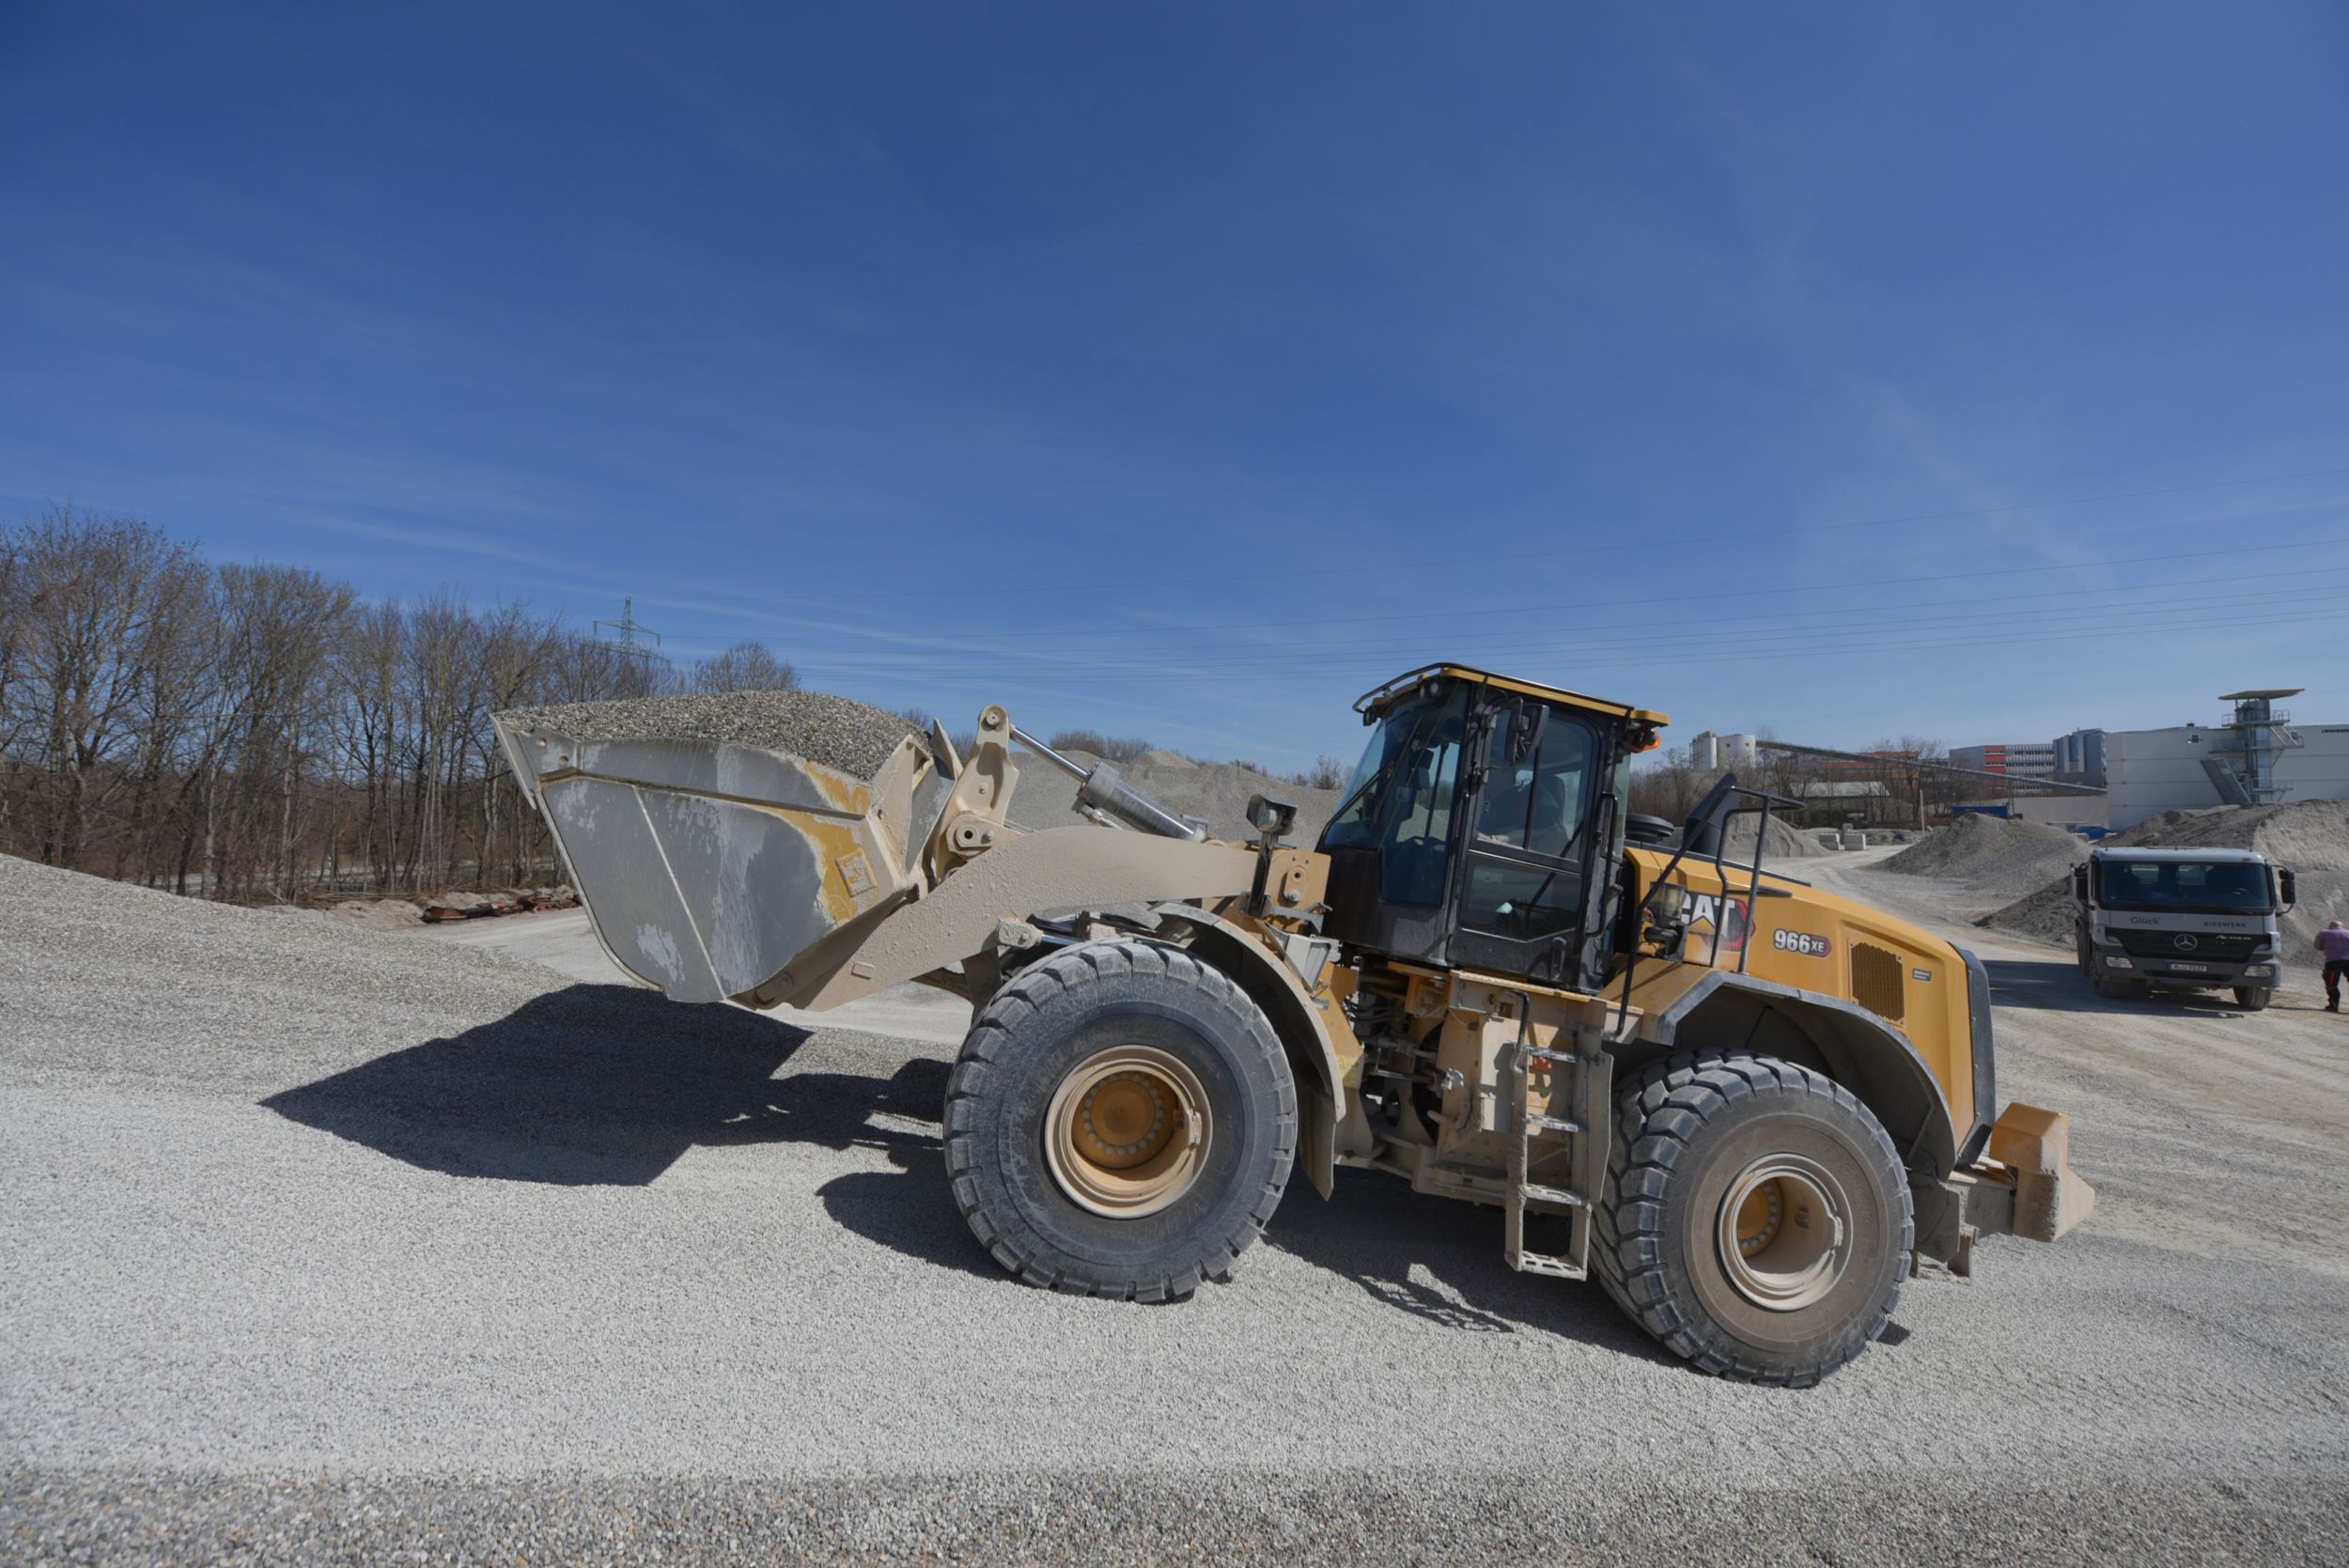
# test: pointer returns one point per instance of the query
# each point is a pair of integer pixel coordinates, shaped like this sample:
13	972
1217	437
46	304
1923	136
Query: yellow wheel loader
1750	1108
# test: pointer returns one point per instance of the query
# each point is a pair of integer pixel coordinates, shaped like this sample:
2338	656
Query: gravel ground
835	732
336	1244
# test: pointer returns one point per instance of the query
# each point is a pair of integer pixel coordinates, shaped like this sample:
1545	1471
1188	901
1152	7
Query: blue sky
1184	370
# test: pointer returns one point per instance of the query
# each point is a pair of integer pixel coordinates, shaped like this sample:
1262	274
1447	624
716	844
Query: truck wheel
1756	1218
2120	990
2254	999
1121	1122
2088	962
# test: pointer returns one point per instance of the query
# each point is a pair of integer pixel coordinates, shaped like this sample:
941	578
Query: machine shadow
2049	984
2057	985
1441	1262
604	1085
609	1085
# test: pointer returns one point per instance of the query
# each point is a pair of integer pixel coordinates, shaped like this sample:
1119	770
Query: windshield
2200	885
1356	822
1399	803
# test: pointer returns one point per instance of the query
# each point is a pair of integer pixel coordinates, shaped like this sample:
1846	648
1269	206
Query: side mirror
2079	883
2288	887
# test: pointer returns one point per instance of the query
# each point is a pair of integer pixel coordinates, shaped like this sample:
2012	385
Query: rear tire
2254	999
1718	1155
1062	1191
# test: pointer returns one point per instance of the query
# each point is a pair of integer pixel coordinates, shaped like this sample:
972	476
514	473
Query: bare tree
745	667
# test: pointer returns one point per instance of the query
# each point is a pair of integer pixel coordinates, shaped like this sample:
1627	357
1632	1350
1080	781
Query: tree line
263	733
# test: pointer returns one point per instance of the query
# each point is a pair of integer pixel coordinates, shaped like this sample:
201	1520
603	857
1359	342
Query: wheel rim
1785	1238
1127	1133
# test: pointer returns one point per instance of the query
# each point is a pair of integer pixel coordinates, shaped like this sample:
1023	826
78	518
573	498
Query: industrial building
2259	757
1708	751
2079	757
2020	759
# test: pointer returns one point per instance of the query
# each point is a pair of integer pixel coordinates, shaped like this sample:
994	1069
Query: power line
1771	631
1278	671
1321	570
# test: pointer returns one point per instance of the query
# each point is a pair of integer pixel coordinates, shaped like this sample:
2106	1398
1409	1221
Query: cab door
1524	884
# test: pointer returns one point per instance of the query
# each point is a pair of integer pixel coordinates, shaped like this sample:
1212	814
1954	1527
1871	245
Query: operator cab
1483	825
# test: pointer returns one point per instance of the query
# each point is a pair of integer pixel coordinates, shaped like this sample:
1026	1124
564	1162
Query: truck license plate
2191	968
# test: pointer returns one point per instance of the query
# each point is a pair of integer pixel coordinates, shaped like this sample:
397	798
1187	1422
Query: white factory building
1708	751
2261	757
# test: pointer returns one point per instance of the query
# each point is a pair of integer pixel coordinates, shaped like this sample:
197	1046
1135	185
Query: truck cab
2180	919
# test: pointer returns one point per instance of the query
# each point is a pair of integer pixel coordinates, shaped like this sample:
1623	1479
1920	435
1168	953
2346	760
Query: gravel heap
1784	842
848	736
1216	791
1999	856
2309	836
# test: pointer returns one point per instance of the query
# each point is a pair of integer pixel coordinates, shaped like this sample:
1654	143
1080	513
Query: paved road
322	1244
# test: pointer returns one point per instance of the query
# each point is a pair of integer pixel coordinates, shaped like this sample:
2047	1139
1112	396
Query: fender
1236	953
1858	1049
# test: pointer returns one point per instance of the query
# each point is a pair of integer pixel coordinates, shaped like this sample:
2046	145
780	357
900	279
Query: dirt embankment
2310	837
1996	857
1214	791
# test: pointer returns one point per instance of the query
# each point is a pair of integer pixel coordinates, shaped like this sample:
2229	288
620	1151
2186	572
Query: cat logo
1720	935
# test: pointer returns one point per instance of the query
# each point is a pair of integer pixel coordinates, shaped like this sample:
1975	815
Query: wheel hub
1785	1237
1126	1131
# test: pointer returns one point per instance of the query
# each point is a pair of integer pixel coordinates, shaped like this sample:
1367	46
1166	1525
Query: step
1564	1057
1541	1262
1554	1195
1551	1124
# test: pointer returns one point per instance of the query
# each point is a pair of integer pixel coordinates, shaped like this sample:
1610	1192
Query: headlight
1665	902
2118	963
2259	969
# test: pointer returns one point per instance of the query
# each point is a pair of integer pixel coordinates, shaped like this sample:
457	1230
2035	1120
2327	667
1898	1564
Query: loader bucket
707	868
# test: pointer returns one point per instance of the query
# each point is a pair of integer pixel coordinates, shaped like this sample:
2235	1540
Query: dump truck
2198	919
1752	1109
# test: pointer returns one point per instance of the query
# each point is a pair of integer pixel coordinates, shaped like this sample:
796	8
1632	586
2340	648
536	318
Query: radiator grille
1880	981
2205	944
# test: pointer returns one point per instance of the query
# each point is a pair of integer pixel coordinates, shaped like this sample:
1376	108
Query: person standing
2333	942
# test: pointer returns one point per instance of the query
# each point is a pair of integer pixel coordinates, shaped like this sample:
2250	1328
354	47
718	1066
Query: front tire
1121	1122
1756	1218
2253	999
2120	990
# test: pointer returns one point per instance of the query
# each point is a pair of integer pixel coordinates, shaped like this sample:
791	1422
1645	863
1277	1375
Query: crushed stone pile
849	736
1216	791
379	914
1783	842
151	985
2311	837
2000	856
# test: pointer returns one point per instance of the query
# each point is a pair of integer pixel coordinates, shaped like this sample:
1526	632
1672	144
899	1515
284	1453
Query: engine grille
2221	945
1880	981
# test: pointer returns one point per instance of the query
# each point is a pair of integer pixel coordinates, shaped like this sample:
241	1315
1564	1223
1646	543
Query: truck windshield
2192	885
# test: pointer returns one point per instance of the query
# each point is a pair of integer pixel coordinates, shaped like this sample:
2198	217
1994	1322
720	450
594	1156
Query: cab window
1400	803
1524	877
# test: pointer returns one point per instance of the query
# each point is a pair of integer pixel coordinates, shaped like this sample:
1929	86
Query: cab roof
1402	685
2210	852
